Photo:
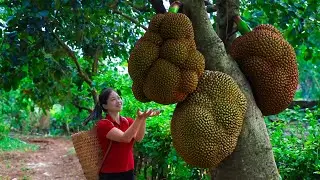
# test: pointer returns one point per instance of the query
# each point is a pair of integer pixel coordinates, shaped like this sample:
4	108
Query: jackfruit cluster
164	64
206	125
269	63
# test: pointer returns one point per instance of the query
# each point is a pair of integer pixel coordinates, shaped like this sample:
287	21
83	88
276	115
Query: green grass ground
13	144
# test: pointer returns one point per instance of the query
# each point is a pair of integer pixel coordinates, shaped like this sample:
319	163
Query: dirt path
55	159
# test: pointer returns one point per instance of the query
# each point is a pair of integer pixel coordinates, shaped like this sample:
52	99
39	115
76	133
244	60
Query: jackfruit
206	125
190	43
195	61
170	67
137	89
268	27
152	37
155	22
189	81
176	26
141	58
175	51
269	63
164	77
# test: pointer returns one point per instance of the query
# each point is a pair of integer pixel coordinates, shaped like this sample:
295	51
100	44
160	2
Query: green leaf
57	4
30	39
43	13
6	46
26	3
308	54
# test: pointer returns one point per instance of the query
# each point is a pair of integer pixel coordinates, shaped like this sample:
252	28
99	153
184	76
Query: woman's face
114	102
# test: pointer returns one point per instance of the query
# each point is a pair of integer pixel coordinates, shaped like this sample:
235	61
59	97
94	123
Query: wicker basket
88	152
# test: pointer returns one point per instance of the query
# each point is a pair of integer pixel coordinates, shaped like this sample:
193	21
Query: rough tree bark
253	157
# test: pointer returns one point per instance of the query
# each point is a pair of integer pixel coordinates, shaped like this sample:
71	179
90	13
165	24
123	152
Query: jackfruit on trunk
206	125
165	62
269	63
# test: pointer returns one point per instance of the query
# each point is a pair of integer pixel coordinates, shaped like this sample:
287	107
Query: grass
13	144
71	151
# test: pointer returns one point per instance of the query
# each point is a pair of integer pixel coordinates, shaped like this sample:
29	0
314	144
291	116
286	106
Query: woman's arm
136	130
142	128
116	134
141	131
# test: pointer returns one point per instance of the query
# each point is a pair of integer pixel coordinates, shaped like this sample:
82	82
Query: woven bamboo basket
88	152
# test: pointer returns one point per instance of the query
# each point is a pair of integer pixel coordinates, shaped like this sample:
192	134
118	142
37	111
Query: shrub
4	130
295	138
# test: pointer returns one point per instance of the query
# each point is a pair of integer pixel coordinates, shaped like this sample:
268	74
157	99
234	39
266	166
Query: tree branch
74	59
129	18
211	8
95	62
227	9
304	104
138	8
81	107
94	72
158	6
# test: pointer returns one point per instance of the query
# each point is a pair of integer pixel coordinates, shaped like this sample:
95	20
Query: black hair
98	108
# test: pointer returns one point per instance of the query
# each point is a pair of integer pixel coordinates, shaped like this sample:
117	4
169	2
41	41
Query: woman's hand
146	114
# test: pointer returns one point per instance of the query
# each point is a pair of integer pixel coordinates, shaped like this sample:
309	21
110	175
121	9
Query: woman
123	132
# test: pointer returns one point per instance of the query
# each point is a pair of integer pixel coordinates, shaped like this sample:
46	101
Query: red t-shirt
120	156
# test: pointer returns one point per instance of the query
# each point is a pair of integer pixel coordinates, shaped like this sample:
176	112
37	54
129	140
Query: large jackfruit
206	125
269	63
164	64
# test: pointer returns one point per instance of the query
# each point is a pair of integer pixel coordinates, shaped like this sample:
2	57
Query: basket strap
107	152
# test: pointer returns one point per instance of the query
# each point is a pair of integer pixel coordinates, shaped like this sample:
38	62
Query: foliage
60	43
295	138
15	110
66	120
4	130
10	144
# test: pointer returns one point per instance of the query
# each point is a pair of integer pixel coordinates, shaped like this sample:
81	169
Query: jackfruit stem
242	26
174	7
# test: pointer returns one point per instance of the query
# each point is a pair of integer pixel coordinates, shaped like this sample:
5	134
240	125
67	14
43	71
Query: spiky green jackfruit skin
141	59
175	51
137	89
167	68
176	26
268	27
269	63
161	84
155	22
152	37
206	125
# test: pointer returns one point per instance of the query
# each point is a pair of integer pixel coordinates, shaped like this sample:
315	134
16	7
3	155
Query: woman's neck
115	116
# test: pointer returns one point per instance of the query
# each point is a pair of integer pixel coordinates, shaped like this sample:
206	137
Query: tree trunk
253	157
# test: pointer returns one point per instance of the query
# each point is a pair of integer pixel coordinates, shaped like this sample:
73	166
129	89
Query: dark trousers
128	175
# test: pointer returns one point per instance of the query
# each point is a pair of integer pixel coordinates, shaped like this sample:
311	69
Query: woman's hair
98	108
